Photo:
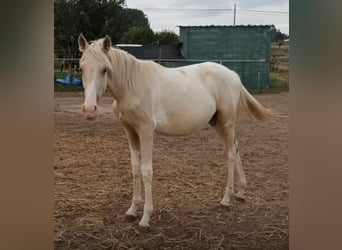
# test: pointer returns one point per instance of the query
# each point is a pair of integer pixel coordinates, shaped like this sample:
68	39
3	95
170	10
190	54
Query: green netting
247	48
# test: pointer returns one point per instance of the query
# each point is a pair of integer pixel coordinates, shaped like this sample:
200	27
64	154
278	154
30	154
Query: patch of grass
279	82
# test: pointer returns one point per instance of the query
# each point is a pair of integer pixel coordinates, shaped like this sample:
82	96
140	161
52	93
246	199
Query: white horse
172	101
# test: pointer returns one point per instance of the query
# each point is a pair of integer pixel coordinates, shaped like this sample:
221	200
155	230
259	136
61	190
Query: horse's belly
184	111
184	123
179	130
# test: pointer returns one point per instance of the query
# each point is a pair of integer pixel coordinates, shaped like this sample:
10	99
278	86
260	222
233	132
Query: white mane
124	70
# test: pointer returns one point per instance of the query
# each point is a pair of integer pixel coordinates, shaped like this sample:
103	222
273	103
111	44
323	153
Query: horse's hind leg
134	146
222	131
225	127
240	174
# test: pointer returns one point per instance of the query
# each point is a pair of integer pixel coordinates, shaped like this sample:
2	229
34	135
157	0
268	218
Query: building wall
244	49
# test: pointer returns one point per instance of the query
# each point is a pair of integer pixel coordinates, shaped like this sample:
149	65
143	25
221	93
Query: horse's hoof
145	225
240	197
130	217
226	204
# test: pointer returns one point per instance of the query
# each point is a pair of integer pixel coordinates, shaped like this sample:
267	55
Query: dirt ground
93	184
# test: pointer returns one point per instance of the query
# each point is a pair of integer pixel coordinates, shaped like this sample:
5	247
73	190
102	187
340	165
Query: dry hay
93	185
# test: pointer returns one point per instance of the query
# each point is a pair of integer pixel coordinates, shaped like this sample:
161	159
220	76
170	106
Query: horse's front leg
146	144
134	146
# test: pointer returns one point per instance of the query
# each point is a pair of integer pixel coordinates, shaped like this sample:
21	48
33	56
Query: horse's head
94	65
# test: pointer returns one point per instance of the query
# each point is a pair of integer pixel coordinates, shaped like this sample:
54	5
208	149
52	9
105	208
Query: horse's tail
253	107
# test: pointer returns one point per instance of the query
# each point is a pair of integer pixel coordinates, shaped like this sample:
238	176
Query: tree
137	18
65	28
277	35
120	20
138	35
95	19
114	22
166	37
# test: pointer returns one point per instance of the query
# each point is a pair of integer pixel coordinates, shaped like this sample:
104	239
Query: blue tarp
66	81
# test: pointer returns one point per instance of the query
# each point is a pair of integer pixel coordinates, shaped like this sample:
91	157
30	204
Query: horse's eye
80	69
104	71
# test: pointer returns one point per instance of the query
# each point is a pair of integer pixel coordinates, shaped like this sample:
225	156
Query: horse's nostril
91	109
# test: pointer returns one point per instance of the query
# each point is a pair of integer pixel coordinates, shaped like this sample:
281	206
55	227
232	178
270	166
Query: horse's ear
82	43
107	43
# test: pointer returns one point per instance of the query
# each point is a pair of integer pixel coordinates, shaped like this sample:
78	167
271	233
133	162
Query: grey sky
161	19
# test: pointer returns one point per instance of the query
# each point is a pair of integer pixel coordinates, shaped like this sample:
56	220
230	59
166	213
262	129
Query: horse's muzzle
90	113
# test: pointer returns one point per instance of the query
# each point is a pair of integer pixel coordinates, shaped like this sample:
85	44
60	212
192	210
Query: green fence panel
246	48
